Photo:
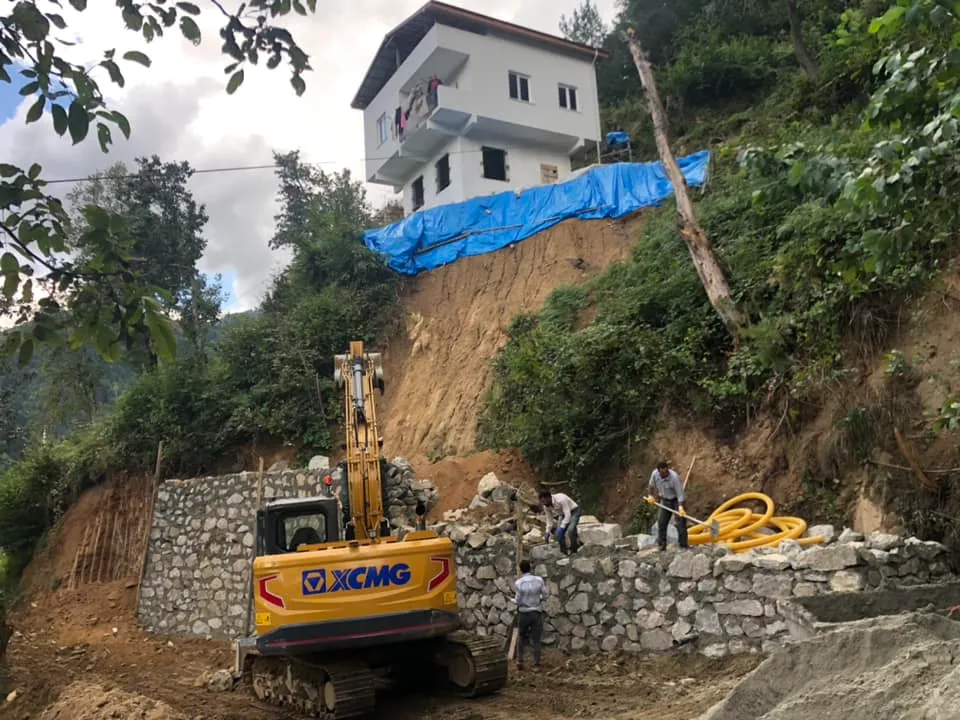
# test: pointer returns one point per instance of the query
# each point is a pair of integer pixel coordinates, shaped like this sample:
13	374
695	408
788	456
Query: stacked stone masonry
197	579
616	599
608	597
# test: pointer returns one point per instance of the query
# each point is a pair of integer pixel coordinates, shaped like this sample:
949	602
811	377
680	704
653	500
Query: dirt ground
79	655
888	667
457	477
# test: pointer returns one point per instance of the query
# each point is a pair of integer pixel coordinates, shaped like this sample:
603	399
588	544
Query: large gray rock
827	532
656	640
604	534
847	581
692	565
488	483
848	536
828	558
883	541
319	462
220	681
754	608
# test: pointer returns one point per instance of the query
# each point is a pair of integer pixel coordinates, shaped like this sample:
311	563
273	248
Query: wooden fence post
154	486
257	507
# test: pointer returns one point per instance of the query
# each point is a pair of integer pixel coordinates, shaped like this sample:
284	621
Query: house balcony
449	112
432	120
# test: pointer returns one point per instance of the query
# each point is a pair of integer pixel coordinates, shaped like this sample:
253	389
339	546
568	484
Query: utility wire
101	174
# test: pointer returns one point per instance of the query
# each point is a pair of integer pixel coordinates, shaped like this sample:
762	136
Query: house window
519	86
383	129
494	163
568	97
443	173
548	174
417	193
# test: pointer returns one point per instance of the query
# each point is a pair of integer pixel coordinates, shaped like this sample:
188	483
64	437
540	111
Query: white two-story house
457	105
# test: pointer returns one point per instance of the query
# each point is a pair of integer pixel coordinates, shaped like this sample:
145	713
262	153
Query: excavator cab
284	526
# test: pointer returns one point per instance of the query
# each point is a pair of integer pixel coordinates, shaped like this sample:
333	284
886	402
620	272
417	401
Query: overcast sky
179	110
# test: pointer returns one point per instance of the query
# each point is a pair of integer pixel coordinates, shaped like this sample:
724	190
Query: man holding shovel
669	488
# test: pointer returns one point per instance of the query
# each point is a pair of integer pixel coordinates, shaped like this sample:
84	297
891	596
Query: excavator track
476	666
330	691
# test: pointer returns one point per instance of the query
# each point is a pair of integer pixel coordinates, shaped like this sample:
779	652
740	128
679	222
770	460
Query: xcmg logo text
320	581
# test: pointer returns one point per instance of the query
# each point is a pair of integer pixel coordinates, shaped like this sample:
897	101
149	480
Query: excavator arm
359	373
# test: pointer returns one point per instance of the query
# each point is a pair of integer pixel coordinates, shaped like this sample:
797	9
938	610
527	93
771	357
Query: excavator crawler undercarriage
334	689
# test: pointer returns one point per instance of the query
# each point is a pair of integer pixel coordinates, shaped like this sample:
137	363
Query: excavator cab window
283	529
297	530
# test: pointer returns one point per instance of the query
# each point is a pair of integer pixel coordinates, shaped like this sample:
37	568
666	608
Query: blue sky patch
10	97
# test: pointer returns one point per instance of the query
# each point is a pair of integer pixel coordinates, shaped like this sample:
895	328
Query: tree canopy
107	295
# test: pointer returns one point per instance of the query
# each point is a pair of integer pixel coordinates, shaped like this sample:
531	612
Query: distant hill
22	389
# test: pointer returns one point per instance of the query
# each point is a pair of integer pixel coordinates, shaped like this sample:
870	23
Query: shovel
714	526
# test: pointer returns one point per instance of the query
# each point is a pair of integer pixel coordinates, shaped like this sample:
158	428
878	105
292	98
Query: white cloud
179	110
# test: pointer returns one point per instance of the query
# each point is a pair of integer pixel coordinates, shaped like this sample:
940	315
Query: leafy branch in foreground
35	248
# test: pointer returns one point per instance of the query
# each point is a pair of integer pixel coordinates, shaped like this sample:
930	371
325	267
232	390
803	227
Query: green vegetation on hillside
832	199
261	378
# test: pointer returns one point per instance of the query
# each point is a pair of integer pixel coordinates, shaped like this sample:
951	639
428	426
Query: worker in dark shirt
669	489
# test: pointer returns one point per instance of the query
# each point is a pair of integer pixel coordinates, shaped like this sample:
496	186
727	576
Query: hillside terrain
456	322
576	358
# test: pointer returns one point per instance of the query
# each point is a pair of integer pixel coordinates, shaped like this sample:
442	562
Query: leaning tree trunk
799	46
701	250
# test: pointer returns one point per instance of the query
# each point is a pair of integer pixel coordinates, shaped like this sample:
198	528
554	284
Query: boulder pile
404	493
494	510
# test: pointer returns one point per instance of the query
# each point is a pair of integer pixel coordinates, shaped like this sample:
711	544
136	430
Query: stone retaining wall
615	598
197	579
607	597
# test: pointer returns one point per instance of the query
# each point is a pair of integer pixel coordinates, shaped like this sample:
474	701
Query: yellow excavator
345	610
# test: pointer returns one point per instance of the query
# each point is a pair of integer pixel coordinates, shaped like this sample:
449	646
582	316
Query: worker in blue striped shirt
531	592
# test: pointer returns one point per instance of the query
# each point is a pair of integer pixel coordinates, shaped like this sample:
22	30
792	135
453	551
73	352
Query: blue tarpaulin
432	238
617	138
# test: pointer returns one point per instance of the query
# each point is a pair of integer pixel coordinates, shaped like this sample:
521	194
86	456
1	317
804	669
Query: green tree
278	365
73	386
312	202
585	25
165	224
105	300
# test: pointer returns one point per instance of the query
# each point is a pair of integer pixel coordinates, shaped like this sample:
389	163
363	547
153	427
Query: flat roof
400	42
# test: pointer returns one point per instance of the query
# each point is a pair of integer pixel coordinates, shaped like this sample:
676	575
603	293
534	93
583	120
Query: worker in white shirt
564	527
531	592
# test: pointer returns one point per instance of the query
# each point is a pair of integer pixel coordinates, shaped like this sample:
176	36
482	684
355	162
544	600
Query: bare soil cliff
457	318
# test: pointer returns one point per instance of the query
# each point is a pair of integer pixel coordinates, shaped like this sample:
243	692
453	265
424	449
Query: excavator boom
359	373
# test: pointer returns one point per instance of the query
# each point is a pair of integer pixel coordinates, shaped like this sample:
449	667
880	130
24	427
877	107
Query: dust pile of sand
896	668
81	701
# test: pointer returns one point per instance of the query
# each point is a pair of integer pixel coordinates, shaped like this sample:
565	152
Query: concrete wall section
523	166
614	599
485	77
466	171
